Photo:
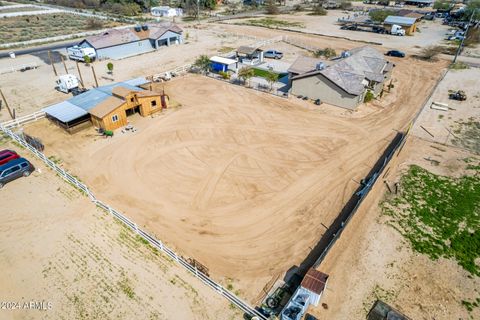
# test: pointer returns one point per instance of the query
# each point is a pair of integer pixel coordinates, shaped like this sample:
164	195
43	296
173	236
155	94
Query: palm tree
271	77
245	74
203	63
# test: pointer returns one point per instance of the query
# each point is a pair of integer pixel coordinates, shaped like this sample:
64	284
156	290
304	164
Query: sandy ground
431	32
231	177
443	124
57	248
372	260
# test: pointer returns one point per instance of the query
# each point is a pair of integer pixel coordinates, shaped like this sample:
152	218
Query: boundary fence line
25	119
242	305
388	155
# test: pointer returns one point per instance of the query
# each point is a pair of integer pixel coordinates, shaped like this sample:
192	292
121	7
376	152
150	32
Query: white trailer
78	53
67	83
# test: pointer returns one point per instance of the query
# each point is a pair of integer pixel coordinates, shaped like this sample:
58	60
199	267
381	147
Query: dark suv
396	53
14	170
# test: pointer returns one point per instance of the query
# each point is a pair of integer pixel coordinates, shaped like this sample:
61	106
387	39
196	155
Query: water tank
137	28
345	54
320	66
145	27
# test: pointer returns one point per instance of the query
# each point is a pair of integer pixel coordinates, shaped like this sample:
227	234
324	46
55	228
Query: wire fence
242	305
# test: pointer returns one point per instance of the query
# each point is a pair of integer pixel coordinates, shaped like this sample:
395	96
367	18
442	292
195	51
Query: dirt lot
372	260
58	248
460	125
15	29
232	176
431	32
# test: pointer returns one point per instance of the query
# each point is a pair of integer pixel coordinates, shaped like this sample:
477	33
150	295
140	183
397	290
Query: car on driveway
273	54
7	155
396	53
15	169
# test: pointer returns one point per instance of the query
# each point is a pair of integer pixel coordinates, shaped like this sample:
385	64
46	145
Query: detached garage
123	43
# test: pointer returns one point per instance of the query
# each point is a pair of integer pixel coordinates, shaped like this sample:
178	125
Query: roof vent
346	54
138	28
145	27
320	66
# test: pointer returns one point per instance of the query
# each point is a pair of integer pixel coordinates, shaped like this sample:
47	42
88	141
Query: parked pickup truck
273	54
15	169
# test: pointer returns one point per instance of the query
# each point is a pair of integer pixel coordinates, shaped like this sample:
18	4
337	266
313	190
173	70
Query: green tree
110	67
271	78
442	4
271	7
245	74
473	5
87	59
380	15
203	63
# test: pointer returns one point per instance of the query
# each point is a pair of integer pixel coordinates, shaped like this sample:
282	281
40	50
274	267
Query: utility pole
64	65
51	62
466	34
12	115
80	75
95	77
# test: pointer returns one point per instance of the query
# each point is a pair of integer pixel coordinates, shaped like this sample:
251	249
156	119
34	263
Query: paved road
54	46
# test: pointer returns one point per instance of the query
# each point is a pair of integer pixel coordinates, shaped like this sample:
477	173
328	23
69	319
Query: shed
250	55
315	282
107	107
223	64
407	23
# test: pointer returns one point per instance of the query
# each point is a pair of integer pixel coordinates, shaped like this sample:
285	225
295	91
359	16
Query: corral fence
245	307
23	120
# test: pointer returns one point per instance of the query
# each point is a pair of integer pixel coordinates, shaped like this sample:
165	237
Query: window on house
114	118
131	99
154	103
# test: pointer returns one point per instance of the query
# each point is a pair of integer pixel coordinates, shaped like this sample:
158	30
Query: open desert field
59	249
242	181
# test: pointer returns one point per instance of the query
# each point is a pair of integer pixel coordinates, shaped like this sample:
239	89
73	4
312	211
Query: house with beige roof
342	82
122	43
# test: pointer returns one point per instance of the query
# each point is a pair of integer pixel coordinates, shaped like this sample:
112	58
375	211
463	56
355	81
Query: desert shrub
430	53
271	7
458	66
225	75
318	10
93	24
345	5
368	96
327	53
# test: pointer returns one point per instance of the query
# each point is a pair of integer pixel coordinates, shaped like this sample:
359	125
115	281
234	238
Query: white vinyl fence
25	119
245	307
